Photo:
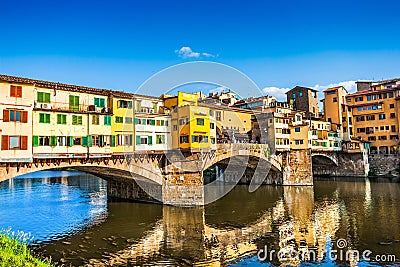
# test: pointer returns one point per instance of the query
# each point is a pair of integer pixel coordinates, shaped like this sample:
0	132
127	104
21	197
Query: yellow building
192	127
122	123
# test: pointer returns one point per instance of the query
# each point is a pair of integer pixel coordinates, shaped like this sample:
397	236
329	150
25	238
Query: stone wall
384	165
348	164
297	167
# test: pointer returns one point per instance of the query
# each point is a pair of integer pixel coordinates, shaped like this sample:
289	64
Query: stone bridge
175	177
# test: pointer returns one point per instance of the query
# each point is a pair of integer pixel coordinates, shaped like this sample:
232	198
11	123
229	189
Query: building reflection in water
304	219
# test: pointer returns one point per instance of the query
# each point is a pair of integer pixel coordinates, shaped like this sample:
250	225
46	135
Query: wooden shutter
24	116
150	140
19	91
6	115
24	142
4	142
13	92
113	140
35	141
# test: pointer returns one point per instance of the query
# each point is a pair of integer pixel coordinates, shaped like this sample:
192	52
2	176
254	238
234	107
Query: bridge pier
297	167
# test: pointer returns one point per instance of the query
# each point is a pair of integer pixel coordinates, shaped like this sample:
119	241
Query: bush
15	253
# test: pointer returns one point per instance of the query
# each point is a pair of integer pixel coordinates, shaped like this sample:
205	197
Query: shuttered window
15	115
73	102
44	118
76	120
99	102
107	120
24	142
43	97
15	91
61	119
4	142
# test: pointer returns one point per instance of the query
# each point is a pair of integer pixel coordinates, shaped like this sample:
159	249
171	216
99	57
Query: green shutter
96	101
35	140
39	97
79	120
138	139
150	140
47	97
41	118
152	122
113	140
102	103
71	140
90	140
136	121
53	140
84	141
155	108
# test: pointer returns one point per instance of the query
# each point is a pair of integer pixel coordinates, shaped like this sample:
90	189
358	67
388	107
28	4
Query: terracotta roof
334	88
69	87
366	92
301	87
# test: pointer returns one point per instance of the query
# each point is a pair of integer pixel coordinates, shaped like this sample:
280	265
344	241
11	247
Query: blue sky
278	44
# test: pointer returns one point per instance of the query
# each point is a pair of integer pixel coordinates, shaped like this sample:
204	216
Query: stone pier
297	168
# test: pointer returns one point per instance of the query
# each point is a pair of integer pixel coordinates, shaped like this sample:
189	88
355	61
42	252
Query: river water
71	221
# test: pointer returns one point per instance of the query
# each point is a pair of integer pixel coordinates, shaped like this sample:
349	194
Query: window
360	130
61	140
124	104
44	140
76	120
107	120
294	95
300	94
15	115
119	119
370	117
382	116
128	120
297	129
382	137
44	118
16	91
61	119
359	99
298	118
14	142
331	93
181	122
143	140
73	102
195	138
371	138
212	125
95	119
43	97
200	121
99	102
184	139
299	142
175	127
96	140
124	139
218	115
77	141
387	127
390	94
160	139
392	115
335	99
391	105
368	97
393	128
212	113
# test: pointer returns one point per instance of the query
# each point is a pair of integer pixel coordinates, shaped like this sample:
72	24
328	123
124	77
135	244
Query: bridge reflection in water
239	224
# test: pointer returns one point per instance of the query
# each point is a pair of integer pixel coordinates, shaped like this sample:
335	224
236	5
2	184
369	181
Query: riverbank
14	253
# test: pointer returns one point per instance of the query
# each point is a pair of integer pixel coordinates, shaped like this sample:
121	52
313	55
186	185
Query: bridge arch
321	158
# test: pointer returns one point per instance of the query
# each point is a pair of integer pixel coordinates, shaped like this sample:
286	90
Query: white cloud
349	85
187	52
280	95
